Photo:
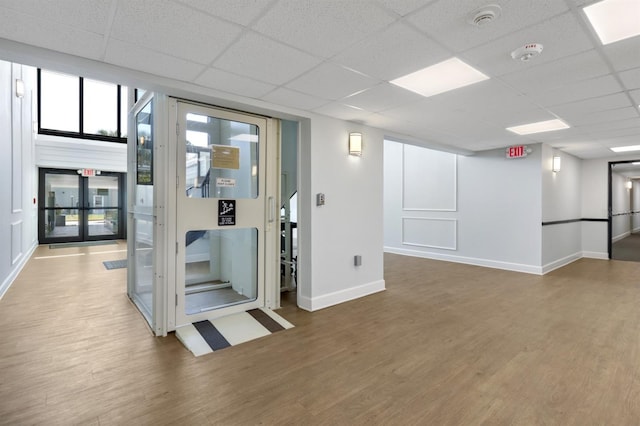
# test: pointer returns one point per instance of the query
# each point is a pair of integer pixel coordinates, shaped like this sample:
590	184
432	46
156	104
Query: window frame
81	134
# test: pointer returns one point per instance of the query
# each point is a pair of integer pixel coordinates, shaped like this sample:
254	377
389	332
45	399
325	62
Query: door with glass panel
74	208
221	212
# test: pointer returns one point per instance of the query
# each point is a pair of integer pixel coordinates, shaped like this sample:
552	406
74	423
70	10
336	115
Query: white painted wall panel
429	179
16	242
429	232
70	153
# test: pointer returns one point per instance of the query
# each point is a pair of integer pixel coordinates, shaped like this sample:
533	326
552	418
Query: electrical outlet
320	199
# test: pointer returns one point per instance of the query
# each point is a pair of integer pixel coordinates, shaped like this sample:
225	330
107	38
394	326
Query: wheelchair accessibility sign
226	212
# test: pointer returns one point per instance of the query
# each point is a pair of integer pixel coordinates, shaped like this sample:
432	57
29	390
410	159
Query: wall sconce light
556	164
629	184
19	88
355	144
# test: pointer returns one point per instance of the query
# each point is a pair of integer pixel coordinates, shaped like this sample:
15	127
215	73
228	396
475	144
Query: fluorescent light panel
627	148
539	127
614	20
439	78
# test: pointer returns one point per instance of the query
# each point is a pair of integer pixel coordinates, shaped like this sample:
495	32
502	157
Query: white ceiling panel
265	60
322	27
590	106
44	33
140	59
404	7
396	51
382	97
534	76
446	20
187	33
561	37
241	12
631	79
338	110
584	89
635	95
603	116
233	83
624	54
332	81
293	99
88	15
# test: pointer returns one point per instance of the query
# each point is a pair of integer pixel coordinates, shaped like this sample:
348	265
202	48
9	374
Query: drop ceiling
336	58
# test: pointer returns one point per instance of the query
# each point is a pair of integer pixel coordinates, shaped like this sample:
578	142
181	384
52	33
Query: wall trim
455	232
337	297
559	263
584	219
595	255
16	271
620	237
507	266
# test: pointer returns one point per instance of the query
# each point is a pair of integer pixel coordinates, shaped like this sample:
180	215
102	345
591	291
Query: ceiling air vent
484	15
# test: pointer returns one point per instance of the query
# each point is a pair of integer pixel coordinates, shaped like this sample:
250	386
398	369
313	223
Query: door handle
272	206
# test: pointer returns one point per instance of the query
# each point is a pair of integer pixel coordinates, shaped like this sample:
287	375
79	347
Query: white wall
635	206
71	153
561	200
18	212
497	215
350	222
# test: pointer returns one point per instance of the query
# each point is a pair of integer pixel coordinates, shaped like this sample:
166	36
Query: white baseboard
517	267
561	262
620	237
337	297
595	255
18	268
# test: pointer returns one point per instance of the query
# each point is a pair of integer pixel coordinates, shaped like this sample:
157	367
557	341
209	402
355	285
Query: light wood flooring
446	344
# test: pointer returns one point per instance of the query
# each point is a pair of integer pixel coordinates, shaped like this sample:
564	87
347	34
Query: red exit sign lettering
518	151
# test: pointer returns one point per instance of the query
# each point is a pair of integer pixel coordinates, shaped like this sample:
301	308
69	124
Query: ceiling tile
584	89
258	57
396	51
635	95
233	83
382	97
331	81
293	99
631	78
322	27
44	33
241	12
590	106
624	54
344	112
561	36
533	77
404	7
603	116
173	29
446	21
137	58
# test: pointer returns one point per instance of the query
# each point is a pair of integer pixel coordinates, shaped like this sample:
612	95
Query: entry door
221	212
75	208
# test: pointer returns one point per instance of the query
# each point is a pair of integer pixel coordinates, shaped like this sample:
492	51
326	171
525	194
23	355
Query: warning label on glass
225	157
226	212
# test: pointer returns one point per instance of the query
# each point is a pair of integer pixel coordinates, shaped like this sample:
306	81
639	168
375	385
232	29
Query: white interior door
224	218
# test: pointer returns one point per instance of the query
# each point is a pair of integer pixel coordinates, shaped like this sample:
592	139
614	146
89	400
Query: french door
225	214
73	208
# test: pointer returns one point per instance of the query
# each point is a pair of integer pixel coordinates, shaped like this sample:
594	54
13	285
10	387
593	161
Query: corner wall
18	211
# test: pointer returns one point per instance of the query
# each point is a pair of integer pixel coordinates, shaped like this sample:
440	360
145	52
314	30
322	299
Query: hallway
446	344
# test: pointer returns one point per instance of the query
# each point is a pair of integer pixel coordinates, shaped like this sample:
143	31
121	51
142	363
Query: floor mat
115	264
209	336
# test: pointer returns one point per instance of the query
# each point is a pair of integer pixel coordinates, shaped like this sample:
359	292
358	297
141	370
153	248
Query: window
81	108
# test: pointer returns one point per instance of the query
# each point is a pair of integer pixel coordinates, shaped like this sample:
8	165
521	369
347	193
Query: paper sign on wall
225	182
225	157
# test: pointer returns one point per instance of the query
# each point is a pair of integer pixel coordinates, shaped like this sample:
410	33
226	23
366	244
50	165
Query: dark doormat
115	264
82	244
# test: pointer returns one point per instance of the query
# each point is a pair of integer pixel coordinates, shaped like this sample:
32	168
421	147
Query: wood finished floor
446	344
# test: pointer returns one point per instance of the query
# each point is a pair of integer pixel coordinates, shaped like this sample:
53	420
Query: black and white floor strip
208	336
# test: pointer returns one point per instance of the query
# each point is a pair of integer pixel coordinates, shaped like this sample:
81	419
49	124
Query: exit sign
518	151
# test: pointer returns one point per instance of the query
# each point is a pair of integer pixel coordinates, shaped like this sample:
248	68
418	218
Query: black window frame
80	134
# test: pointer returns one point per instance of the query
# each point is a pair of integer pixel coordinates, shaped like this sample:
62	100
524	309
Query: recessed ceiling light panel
627	148
539	127
614	20
439	78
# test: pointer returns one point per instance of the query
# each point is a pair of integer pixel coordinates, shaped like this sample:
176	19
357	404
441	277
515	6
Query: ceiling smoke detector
484	15
527	52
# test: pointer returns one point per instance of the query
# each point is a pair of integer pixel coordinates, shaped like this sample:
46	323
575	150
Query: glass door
75	208
221	213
